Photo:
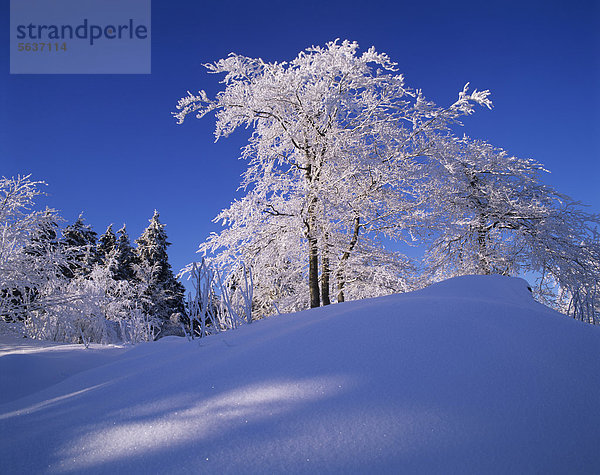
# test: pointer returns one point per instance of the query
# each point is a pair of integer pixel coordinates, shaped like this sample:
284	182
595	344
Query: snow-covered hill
467	376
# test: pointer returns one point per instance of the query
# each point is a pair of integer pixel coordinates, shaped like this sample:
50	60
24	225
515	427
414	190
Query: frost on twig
219	305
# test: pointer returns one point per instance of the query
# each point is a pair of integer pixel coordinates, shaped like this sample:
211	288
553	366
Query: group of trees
344	157
69	285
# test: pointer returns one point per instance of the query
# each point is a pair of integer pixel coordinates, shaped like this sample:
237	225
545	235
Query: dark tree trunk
311	236
481	232
325	273
313	271
484	265
341	274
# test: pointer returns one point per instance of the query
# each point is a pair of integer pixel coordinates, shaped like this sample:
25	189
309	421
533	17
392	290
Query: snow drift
470	375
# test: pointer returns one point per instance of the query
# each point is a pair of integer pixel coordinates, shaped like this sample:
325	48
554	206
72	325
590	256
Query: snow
27	366
470	375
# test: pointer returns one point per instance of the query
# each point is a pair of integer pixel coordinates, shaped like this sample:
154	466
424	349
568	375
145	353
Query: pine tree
165	293
106	246
43	238
125	257
79	243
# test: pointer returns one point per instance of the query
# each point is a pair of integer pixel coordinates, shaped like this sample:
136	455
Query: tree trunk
325	273
481	233
311	232
341	274
484	265
313	270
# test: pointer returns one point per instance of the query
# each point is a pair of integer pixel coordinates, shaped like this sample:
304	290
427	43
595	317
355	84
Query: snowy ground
467	376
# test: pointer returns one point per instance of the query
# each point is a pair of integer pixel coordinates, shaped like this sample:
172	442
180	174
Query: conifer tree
79	244
165	293
43	238
106	246
125	258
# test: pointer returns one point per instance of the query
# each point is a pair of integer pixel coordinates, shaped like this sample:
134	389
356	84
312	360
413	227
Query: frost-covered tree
164	292
79	243
41	247
43	238
106	247
125	257
333	163
94	308
56	285
482	201
494	214
29	256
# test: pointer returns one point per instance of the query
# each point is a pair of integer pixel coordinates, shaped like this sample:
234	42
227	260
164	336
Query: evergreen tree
79	244
43	239
107	244
164	292
124	257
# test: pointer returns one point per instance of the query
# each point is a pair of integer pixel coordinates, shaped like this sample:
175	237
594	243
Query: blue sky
107	144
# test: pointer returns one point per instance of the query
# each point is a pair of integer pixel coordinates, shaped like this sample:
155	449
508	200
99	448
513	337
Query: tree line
71	285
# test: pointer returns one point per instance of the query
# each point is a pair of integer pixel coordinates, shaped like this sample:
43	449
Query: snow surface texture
467	376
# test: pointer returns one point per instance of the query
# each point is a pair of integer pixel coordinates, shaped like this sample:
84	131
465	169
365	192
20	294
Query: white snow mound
470	375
